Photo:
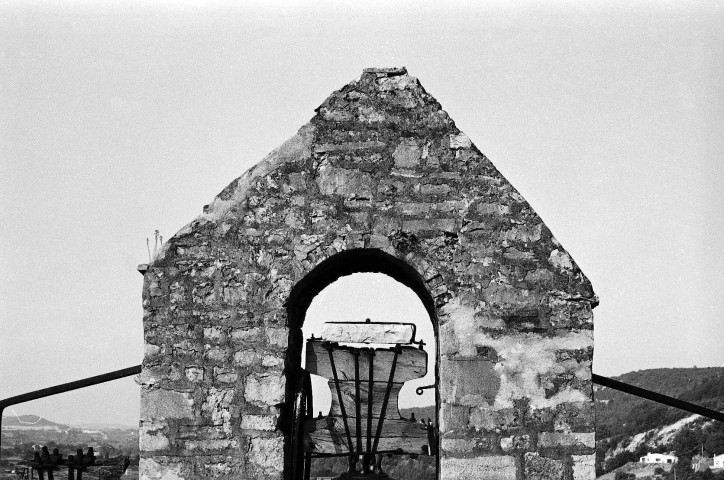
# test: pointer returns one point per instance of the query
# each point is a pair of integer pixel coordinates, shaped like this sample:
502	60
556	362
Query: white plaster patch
462	322
525	358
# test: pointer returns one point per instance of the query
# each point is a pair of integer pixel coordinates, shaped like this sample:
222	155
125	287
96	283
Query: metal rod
386	399
357	406
341	401
309	414
657	397
307	466
370	398
66	387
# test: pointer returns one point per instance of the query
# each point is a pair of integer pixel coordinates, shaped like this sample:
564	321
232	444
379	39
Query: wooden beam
368	332
378	392
411	362
327	435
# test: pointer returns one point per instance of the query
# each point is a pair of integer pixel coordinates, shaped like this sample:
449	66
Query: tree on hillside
714	438
683	469
686	443
624	476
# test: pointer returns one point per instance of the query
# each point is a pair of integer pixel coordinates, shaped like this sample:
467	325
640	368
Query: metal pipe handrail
657	397
66	387
135	370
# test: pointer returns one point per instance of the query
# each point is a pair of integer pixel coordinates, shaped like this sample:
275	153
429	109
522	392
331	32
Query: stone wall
380	167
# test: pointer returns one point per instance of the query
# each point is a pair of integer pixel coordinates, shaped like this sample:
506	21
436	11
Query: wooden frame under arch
345	263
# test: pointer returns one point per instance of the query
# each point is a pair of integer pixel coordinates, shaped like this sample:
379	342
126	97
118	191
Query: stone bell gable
380	180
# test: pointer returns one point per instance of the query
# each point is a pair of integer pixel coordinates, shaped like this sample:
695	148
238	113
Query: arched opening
355	286
379	298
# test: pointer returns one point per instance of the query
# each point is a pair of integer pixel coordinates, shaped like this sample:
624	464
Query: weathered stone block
151	469
415	208
407	154
267	454
277	336
271	361
566	439
516	443
584	467
246	334
211	445
460	141
380	242
348	183
458	445
217	406
219	354
151	350
223	375
158	404
151	437
246	358
265	423
491	419
195	374
433	224
492	467
432	189
265	389
213	333
468	381
453	417
561	260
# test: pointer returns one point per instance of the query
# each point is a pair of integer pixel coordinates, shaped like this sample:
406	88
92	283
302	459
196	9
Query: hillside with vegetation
619	413
628	427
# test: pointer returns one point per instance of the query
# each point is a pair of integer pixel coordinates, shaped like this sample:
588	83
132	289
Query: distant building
718	461
659	458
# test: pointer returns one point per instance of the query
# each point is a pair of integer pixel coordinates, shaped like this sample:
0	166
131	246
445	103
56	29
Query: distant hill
28	421
22	434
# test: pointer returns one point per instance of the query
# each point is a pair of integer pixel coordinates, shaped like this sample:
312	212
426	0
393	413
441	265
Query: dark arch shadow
362	260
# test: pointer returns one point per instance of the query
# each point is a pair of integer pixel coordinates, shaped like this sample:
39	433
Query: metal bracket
420	390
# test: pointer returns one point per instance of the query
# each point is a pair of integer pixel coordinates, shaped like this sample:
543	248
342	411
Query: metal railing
65	387
127	372
657	397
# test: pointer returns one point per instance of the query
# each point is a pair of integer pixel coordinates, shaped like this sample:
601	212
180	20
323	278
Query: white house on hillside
718	461
659	458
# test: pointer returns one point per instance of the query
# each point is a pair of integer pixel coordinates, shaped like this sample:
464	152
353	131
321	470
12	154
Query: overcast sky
121	119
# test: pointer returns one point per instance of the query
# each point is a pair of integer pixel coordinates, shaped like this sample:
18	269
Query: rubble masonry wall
380	166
